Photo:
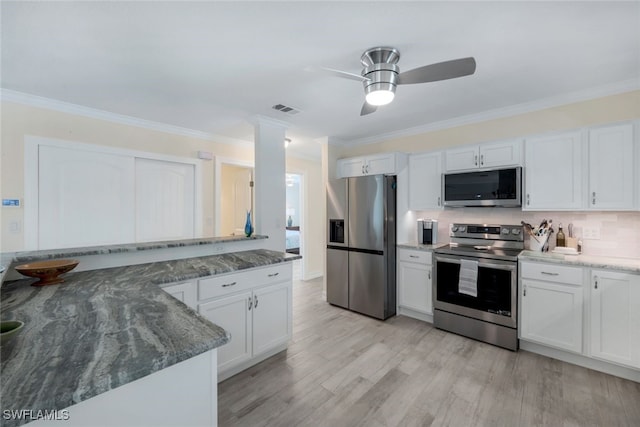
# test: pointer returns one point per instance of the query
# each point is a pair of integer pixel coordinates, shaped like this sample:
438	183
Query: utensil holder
536	243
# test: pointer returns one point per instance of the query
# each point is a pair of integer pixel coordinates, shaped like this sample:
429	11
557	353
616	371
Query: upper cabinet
553	172
487	155
425	177
581	170
385	163
611	168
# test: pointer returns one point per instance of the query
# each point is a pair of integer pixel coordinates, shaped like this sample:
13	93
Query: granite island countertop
623	264
101	329
420	246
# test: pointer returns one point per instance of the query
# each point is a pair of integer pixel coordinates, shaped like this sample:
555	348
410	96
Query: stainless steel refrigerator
361	245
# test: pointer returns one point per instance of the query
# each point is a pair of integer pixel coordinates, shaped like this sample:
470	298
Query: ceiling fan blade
338	73
367	109
439	71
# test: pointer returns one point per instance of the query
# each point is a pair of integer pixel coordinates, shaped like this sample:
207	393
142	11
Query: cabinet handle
475	159
596	281
414	256
438	200
250	303
528	199
429	272
226	285
594	198
524	292
550	274
273	274
362	169
255	303
481	159
366	168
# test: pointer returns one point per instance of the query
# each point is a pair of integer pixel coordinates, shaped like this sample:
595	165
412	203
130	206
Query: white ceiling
213	66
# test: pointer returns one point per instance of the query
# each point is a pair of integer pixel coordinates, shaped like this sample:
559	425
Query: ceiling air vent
285	109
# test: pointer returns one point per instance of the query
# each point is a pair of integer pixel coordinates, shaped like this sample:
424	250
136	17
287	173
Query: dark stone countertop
101	329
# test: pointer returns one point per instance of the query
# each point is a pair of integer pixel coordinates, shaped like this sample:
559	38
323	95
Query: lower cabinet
185	292
615	317
551	314
415	283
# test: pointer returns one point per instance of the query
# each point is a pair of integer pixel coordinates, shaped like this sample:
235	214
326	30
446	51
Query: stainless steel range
476	283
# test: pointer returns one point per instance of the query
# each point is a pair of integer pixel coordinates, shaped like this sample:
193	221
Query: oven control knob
505	231
454	228
462	228
515	231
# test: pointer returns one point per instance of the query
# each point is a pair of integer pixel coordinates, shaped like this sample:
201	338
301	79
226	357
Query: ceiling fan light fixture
380	93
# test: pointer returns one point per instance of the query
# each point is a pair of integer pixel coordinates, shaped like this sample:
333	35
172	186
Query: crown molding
269	121
556	101
80	110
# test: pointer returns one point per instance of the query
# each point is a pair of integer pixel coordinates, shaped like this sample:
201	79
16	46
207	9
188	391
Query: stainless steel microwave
496	187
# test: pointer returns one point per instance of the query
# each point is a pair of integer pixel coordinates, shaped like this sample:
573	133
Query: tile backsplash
619	231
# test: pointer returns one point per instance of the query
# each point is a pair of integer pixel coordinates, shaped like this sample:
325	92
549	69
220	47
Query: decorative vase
289	221
248	228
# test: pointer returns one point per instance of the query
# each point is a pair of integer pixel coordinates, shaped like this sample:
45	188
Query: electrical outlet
591	233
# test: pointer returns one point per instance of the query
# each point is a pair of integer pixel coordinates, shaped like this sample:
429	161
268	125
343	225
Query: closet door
165	200
85	198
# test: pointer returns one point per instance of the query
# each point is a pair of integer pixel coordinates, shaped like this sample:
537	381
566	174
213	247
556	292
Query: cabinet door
271	317
611	167
615	317
185	292
462	158
553	172
415	287
350	167
380	164
551	314
233	314
497	154
425	181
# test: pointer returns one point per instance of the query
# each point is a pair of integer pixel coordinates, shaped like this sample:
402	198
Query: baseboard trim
404	311
312	275
586	362
228	373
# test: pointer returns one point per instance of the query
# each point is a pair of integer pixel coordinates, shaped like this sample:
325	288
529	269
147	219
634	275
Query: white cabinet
610	169
233	314
425	181
487	155
415	283
255	307
551	305
615	317
385	163
185	292
271	317
553	172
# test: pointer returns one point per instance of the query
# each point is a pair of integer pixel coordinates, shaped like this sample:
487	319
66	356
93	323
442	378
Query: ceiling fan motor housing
380	69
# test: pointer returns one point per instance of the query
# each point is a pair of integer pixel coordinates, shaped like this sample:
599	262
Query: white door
553	172
611	167
615	317
165	200
185	292
498	154
233	314
85	198
551	314
415	287
425	181
462	158
271	317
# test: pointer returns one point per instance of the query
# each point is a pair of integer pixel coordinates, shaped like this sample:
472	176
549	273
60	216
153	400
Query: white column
270	191
330	155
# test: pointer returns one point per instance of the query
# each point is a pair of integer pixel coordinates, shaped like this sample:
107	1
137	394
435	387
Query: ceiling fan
381	75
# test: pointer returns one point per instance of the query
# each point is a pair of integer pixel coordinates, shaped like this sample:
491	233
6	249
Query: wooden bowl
47	271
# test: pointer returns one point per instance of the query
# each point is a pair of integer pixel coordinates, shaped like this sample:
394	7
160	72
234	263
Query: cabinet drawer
409	255
216	286
551	273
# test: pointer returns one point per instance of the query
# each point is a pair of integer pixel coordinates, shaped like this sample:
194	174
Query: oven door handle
484	263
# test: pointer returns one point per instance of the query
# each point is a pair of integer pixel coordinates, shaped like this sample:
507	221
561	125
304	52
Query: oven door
497	289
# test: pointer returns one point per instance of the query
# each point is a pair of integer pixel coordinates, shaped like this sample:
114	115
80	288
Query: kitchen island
114	327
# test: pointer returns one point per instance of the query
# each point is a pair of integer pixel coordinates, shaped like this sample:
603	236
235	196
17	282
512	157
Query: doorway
236	198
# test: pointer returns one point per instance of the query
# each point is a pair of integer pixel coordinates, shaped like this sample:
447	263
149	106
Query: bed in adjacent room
293	240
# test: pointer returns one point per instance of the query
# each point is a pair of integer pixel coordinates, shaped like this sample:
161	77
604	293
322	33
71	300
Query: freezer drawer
338	277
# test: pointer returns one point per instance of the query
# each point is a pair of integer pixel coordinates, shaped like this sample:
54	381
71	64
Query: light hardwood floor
344	369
